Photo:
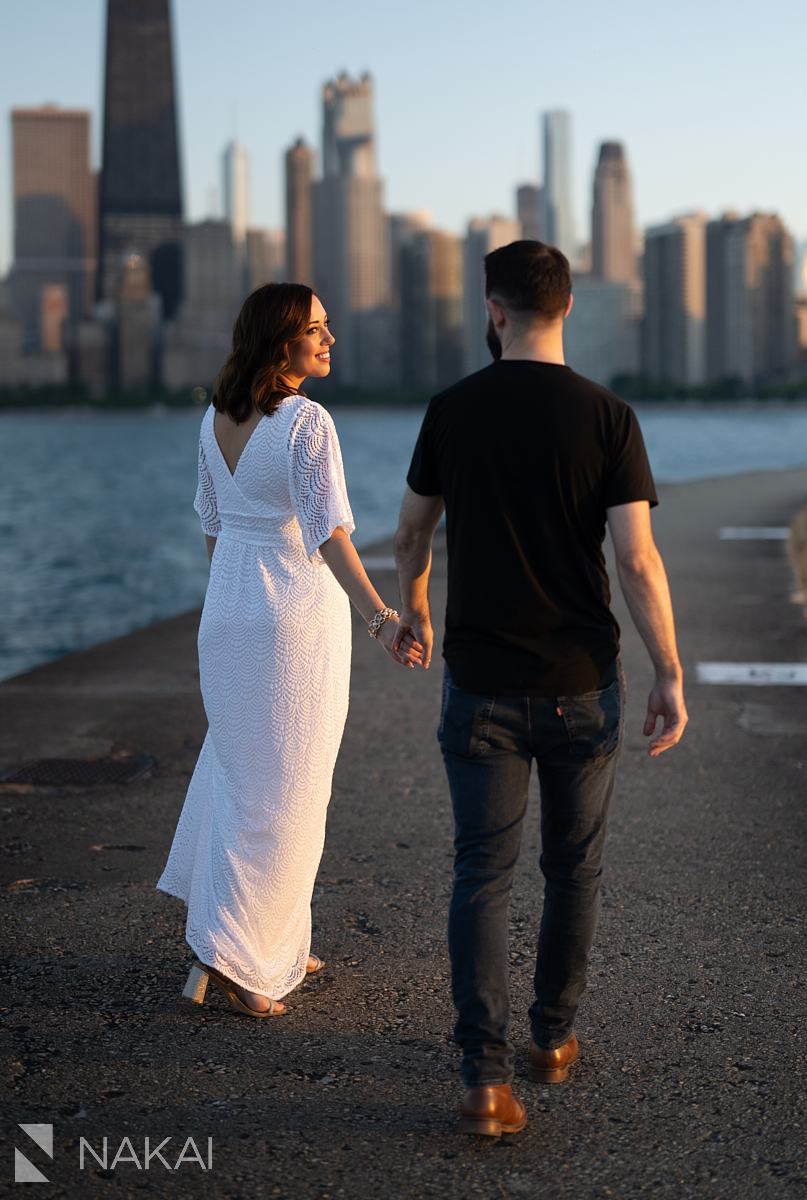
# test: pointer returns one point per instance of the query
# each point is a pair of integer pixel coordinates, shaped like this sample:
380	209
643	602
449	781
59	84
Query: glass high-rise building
54	220
674	327
235	190
430	281
352	274
749	299
558	226
140	196
529	210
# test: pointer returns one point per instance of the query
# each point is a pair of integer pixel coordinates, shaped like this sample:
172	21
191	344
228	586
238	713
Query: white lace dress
274	658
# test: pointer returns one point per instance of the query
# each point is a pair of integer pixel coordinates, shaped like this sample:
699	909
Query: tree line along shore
634	389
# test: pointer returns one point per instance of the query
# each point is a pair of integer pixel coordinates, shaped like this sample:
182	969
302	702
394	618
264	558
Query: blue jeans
488	745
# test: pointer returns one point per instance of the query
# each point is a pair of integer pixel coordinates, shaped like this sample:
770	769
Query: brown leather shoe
552	1066
491	1111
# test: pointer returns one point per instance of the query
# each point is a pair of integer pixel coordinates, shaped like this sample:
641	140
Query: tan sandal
196	987
319	963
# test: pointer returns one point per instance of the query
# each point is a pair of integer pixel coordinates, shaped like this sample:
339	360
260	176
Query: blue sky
708	96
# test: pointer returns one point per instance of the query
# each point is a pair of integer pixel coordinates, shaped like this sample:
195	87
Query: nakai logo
24	1170
42	1135
127	1154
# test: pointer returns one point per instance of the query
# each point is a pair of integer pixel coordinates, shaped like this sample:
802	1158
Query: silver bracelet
379	619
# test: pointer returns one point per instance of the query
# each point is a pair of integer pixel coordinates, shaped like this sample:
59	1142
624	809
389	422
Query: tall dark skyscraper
140	197
612	250
299	221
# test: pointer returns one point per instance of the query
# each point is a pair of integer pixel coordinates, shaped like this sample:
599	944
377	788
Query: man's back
528	456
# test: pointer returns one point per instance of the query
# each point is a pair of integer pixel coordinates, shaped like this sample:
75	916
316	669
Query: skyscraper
558	225
719	352
235	190
430	283
351	244
673	331
484	235
601	334
299	217
749	305
800	269
612	245
54	219
140	197
529	205
266	257
138	318
197	341
401	228
800	292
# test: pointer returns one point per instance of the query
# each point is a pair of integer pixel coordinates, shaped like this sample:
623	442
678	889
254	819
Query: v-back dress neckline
244	449
247	443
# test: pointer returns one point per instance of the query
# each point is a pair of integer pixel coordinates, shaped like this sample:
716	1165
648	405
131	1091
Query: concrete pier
691	1074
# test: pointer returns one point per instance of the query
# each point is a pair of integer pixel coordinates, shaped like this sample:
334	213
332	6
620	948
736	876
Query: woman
274	657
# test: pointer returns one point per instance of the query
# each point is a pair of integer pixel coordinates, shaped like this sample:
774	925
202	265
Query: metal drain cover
78	772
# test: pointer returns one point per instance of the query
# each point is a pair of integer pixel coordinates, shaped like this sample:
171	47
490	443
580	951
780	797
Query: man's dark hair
530	279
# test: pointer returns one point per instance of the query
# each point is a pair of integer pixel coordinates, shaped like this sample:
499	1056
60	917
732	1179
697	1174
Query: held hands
402	647
666	700
415	630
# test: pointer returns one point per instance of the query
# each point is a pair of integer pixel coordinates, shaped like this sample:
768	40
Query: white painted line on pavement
754	533
756	674
378	564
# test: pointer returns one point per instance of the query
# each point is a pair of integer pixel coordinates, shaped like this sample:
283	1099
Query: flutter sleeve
205	502
317	479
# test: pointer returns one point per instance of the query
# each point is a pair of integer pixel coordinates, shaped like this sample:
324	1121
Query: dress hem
226	970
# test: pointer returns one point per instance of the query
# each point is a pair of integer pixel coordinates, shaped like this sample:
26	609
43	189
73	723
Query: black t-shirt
527	457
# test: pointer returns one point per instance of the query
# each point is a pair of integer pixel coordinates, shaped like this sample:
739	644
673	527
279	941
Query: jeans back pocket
464	721
592	722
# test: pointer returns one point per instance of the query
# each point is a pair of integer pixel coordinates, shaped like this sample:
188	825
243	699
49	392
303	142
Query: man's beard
492	339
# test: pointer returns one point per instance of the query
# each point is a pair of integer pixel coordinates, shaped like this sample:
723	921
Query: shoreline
159	409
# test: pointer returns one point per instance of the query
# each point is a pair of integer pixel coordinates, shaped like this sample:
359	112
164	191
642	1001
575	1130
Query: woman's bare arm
341	557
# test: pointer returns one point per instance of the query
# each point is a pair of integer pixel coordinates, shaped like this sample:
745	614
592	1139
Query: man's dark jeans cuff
545	1041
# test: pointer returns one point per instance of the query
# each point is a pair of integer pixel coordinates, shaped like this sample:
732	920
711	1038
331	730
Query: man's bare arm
647	593
420	516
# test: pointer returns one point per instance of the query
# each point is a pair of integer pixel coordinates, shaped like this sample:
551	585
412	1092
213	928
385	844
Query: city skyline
459	160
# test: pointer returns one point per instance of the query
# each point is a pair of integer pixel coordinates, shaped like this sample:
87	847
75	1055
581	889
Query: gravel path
691	1075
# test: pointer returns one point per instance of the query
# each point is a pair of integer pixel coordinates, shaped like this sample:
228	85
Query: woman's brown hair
271	319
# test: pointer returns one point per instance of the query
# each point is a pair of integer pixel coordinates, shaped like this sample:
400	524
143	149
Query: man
529	461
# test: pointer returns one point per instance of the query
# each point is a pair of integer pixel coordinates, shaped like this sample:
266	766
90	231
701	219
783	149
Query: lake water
98	535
